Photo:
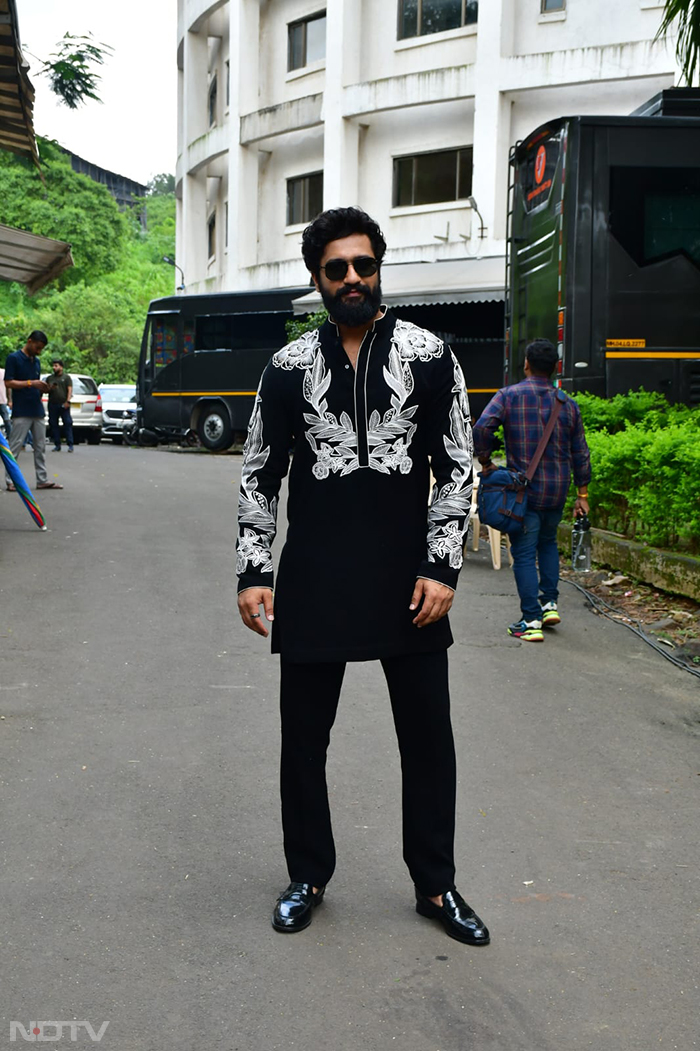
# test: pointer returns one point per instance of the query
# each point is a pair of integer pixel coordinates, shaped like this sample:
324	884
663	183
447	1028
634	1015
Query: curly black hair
542	356
334	224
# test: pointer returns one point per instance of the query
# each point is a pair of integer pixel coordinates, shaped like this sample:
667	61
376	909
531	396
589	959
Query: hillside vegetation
94	312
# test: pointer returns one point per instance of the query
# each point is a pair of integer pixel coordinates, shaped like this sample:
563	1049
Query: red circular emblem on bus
540	161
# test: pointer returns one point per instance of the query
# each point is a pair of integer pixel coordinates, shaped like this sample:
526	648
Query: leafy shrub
306	323
613	414
645	457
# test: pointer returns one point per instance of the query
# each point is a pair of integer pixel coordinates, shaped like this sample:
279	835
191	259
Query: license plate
75	405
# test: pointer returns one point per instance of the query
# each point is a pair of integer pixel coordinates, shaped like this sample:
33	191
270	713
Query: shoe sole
448	930
292	930
551	622
539	637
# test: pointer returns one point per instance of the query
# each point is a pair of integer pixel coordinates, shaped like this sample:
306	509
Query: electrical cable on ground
602	607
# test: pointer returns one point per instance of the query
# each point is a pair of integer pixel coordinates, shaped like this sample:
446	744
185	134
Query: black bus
201	360
604	249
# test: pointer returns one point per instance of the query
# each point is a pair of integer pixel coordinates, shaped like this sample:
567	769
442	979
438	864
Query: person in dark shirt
60	391
23	378
368	570
523	409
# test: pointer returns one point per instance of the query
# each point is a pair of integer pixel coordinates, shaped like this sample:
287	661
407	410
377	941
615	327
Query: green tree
684	15
161	184
70	207
96	322
69	69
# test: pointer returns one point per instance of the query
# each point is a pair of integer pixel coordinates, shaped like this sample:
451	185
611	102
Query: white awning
420	284
30	259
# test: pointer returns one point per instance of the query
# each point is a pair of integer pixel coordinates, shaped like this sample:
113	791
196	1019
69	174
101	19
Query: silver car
118	409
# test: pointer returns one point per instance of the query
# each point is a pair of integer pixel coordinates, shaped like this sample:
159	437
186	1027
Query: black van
604	249
201	361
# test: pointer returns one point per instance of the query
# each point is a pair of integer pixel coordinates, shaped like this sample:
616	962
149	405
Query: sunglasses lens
365	266
336	269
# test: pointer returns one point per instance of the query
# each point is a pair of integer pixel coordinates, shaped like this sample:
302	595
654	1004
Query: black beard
349	314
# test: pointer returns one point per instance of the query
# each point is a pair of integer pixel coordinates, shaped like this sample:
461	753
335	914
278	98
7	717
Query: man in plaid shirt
524	409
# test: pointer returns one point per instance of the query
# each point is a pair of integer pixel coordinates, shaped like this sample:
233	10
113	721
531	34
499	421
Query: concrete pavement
141	848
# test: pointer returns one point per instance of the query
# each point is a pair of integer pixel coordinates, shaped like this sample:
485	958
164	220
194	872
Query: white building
405	107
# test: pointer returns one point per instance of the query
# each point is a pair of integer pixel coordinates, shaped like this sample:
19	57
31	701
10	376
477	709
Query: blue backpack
502	493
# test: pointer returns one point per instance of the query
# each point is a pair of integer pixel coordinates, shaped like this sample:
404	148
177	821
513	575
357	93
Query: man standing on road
524	409
60	393
23	378
368	571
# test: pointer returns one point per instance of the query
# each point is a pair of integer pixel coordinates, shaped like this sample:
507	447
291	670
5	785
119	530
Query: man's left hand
437	600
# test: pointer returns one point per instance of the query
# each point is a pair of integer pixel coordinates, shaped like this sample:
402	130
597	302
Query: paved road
141	842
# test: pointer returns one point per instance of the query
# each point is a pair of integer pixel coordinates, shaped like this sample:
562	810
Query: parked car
85	408
118	409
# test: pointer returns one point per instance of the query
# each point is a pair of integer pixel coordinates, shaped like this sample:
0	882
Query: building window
212	102
228	83
421	17
211	235
304	198
428	178
553	5
307	41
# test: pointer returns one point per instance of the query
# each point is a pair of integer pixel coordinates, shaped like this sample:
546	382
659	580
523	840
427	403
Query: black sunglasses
363	265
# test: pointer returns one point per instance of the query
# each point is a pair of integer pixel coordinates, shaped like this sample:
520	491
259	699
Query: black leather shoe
459	920
295	907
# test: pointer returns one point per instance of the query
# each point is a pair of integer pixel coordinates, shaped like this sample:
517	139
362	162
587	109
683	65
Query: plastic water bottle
581	545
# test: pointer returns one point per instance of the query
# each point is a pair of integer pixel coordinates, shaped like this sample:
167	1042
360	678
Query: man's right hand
249	603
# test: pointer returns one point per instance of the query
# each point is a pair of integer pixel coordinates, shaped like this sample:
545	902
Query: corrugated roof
16	91
30	259
421	284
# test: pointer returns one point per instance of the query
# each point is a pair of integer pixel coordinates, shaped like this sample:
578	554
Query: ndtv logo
36	1032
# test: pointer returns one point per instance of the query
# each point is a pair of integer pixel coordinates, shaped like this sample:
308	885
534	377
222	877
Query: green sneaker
527	630
550	615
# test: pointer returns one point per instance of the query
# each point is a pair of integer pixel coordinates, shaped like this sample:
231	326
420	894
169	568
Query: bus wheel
214	429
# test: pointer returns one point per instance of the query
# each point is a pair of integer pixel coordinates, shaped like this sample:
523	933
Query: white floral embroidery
300	354
412	342
254	545
453	499
334	441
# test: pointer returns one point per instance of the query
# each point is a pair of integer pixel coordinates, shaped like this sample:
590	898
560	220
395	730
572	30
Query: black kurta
360	530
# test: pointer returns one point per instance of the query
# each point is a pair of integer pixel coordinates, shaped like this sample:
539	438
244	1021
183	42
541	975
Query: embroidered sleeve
451	451
265	463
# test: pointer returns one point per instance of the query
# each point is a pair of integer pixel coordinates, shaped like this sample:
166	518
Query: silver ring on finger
255	616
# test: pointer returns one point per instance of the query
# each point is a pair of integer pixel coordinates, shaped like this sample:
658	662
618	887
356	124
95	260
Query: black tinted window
537	172
214	332
655	212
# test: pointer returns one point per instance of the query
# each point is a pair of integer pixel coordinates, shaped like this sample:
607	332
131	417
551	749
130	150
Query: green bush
306	323
645	458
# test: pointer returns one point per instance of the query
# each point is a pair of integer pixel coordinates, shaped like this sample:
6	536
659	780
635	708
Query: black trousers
420	702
